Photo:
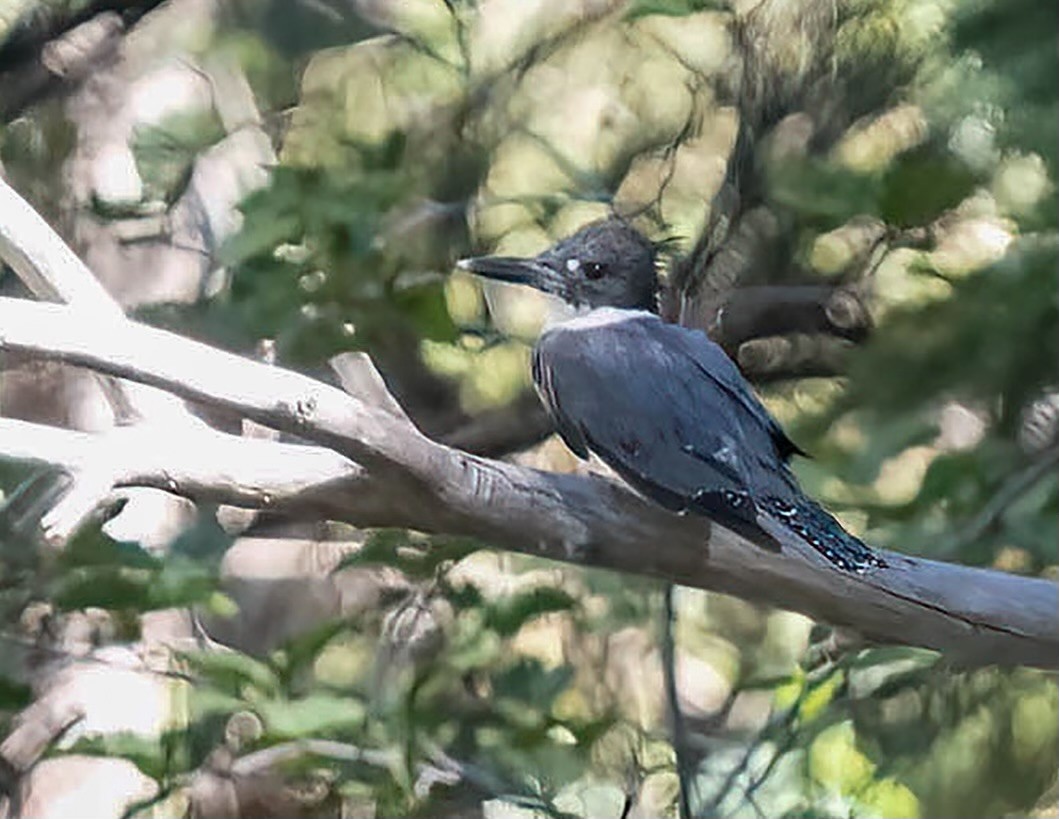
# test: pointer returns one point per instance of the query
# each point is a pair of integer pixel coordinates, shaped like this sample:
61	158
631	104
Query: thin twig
685	765
1015	487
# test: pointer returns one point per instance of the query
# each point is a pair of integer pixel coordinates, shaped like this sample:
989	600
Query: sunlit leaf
302	651
311	716
836	763
817	698
888	797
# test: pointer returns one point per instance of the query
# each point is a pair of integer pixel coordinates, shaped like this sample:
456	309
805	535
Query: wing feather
666	409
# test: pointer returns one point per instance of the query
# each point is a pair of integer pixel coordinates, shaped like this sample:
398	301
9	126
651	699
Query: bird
661	404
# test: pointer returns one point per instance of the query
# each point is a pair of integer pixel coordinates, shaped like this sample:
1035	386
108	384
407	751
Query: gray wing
713	362
666	409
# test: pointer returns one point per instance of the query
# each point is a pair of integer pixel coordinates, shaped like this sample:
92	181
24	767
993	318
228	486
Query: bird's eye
594	270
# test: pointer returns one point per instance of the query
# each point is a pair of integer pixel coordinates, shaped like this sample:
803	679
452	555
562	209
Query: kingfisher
662	405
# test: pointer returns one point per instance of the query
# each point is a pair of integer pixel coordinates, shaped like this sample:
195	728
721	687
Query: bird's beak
508	269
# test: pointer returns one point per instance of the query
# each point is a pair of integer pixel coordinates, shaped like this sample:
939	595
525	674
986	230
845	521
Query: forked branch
371	467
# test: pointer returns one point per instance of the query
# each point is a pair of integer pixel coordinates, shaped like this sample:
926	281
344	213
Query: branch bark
759	312
249	472
55	47
52	271
978	616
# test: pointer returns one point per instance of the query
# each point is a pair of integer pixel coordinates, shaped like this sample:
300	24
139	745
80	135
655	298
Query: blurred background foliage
410	133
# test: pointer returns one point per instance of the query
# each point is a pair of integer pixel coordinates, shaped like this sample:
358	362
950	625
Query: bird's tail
815	525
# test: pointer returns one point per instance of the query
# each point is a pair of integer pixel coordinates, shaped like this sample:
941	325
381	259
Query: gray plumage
678	428
661	404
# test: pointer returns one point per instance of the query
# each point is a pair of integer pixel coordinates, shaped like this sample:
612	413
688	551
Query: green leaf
92	547
417	557
886	655
823	194
166	151
588	732
232	670
836	763
108	587
97	570
262	235
471	647
816	699
508	615
463	596
25	505
314	715
672	8
181	582
158	757
299	653
205	541
530	682
923	184
207	701
14	694
888	797
425	306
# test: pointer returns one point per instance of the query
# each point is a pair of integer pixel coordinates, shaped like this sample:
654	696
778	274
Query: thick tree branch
792	356
59	63
53	272
56	45
978	616
791	102
46	22
248	472
760	312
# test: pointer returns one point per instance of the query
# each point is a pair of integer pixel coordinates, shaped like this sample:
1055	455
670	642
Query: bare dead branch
977	615
58	63
359	378
246	472
792	356
786	105
53	272
39	726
